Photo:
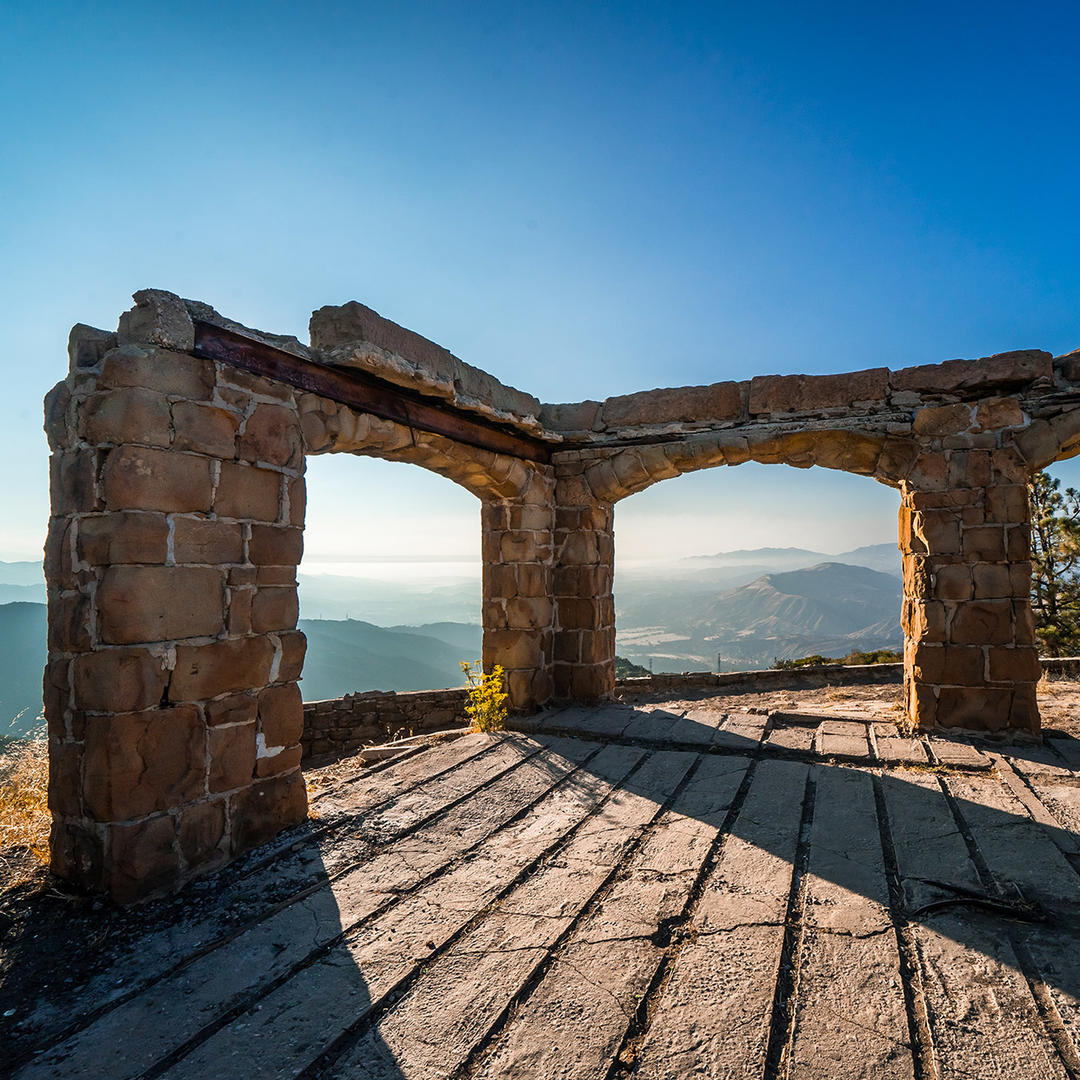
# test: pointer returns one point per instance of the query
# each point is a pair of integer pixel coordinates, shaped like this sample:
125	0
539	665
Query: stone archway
177	472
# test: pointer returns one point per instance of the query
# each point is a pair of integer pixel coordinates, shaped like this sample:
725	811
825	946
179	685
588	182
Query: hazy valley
408	626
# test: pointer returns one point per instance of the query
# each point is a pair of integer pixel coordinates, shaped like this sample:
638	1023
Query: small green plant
487	696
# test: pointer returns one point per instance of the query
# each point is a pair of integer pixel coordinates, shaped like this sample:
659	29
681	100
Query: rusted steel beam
363	392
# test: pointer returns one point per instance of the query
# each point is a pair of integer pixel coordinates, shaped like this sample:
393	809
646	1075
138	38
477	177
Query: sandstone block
512	649
206	429
807	393
1024	711
171	373
232	756
73	482
296	490
576	416
969	468
592	682
1003	369
916	571
1018	543
684	404
568	647
58	430
202	540
530	613
982	622
158	318
953	582
247	492
1019	664
56	694
129	415
202	832
259	812
992	580
281	762
272	435
159	603
87	346
598	646
274	609
937	532
942	420
77	854
985	543
924	621
275	545
123	537
69	622
238	612
118	680
139	478
142	859
136	763
206	671
65	781
974	708
1007	503
579	613
235	709
293	648
995	413
281	715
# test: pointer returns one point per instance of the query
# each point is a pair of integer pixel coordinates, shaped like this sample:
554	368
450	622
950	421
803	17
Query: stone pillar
969	658
584	605
171	694
517	606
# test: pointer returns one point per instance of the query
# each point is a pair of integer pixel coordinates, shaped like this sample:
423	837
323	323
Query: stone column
171	694
584	574
969	658
517	606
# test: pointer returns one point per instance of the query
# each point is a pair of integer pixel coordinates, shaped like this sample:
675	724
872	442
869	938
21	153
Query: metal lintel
364	392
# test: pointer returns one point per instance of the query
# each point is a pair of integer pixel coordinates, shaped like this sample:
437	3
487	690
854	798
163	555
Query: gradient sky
583	199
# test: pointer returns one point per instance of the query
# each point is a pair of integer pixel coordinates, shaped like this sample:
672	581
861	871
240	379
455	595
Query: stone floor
660	891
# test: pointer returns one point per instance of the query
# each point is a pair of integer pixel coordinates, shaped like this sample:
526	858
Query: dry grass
24	810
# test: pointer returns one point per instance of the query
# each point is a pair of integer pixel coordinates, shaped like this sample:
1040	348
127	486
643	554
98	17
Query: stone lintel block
119	680
174	374
275	545
202	835
221	667
160	603
272	434
137	763
572	416
953	376
128	415
141	478
204	428
982	622
126	536
203	540
281	715
143	859
684	404
974	708
232	756
245	491
259	812
158	318
804	393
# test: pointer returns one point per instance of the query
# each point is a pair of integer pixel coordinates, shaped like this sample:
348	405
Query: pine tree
1055	565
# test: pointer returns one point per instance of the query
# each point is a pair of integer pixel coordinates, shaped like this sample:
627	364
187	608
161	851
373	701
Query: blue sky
583	199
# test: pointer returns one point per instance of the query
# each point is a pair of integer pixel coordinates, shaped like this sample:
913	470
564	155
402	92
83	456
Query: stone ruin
177	475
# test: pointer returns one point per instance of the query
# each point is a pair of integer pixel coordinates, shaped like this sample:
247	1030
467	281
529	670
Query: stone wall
177	482
341	726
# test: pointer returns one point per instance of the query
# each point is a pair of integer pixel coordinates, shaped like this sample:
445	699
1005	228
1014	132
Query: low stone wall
340	726
770	679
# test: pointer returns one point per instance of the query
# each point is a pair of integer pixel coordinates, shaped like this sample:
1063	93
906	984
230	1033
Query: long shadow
992	881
